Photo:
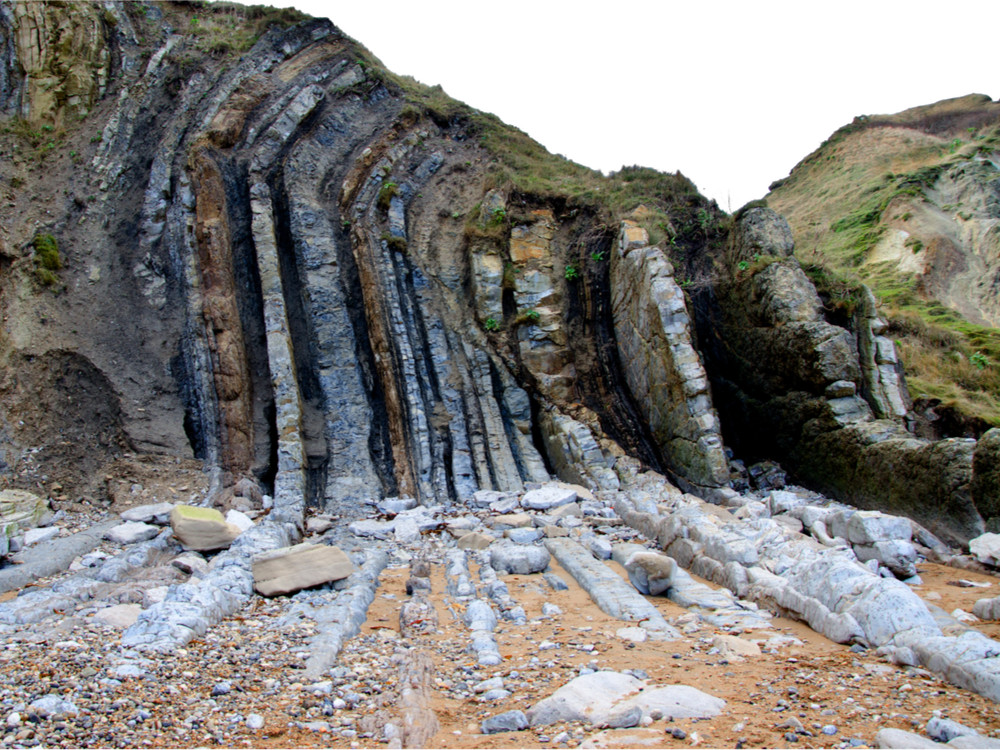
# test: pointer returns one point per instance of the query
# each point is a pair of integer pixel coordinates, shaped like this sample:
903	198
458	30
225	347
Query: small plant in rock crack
498	216
491	324
572	273
598	255
528	316
743	265
385	195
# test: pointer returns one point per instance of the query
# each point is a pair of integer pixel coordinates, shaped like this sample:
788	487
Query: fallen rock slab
550	496
617	699
158	513
735	649
290	569
120	615
202	529
131	532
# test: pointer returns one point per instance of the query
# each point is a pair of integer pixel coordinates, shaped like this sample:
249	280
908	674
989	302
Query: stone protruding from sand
290	569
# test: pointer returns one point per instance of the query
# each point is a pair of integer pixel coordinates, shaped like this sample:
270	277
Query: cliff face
303	270
908	204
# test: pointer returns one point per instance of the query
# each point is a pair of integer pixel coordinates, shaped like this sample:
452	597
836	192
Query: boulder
511	721
290	569
202	529
615	698
519	558
869	527
523	535
897	555
987	609
158	513
903	740
650	572
131	532
986	548
588	698
945	730
21	507
548	497
191	563
52	706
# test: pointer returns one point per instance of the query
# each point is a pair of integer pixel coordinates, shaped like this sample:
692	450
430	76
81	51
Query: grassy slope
839	201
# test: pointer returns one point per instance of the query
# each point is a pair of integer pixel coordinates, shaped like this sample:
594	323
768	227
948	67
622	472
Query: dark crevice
250	303
410	284
600	373
379	445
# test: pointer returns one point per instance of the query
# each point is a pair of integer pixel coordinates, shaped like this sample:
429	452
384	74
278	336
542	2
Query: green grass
840	201
520	165
47	259
224	28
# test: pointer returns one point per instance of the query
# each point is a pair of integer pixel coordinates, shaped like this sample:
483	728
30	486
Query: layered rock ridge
829	398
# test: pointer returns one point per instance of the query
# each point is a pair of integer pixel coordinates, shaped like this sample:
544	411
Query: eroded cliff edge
301	269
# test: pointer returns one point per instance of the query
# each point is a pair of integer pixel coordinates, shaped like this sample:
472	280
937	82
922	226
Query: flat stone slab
607	698
290	569
550	496
120	615
158	513
609	591
131	532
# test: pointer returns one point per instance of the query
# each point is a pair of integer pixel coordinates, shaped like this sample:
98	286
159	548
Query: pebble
222	688
255	721
829	729
511	721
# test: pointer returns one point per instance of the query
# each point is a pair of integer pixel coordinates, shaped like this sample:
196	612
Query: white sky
732	94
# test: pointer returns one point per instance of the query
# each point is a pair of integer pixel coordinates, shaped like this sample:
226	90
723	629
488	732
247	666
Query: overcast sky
732	94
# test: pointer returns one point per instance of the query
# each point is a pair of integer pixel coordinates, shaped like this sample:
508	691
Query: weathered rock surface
290	569
605	698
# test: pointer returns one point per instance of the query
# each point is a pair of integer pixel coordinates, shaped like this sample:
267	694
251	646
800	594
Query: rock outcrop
319	278
790	383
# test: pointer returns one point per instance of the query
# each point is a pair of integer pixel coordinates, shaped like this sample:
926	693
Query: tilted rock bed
279	670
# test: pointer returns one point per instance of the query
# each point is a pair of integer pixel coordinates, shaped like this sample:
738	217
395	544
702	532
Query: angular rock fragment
474	541
202	529
290	569
550	496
